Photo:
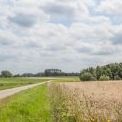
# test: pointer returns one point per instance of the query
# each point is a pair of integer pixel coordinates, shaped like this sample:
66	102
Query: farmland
6	83
87	101
65	99
30	105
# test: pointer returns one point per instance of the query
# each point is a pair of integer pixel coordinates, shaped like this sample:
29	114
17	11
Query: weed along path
12	91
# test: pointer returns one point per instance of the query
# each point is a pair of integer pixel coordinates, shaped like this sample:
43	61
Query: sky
65	34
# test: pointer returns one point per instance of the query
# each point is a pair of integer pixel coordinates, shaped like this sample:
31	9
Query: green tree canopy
111	71
6	74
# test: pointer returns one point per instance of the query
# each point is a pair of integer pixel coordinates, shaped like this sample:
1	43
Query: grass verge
28	106
6	83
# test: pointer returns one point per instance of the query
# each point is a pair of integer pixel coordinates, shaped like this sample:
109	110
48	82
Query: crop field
65	99
66	79
87	101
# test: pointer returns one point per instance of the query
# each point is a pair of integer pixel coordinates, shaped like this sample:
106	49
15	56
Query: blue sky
66	34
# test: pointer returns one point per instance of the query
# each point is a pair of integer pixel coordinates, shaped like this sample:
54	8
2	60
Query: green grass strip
28	106
6	83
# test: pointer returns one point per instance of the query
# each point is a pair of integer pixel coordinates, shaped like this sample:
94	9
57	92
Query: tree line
107	72
8	74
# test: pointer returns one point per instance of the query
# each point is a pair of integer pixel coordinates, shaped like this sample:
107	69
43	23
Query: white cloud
113	7
35	35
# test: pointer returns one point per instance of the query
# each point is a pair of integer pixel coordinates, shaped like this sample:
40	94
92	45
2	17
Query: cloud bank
66	34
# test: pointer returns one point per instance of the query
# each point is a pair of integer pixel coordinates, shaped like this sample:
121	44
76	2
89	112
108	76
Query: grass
67	79
28	106
32	105
6	83
86	102
65	101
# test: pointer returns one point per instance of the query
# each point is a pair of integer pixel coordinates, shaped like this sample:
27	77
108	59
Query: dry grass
87	101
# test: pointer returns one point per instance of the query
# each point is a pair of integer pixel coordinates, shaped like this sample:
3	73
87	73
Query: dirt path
12	91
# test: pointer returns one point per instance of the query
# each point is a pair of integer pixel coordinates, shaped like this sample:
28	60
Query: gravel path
12	91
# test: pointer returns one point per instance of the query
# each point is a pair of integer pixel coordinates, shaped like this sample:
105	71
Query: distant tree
120	73
104	78
27	75
6	74
87	77
98	72
17	75
39	74
53	72
116	70
111	71
117	77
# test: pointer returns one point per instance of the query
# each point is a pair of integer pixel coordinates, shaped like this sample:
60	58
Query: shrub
117	78
104	78
87	77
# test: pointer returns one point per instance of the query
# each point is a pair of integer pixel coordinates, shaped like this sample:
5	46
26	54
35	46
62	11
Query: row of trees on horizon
7	73
108	72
